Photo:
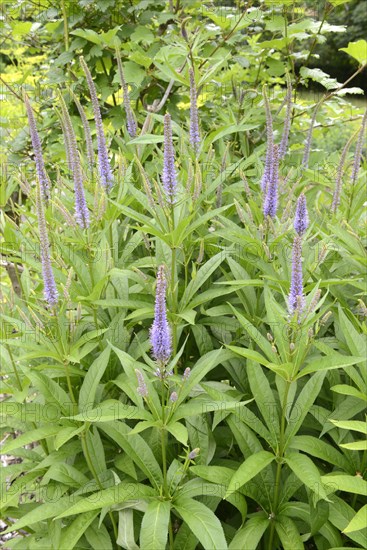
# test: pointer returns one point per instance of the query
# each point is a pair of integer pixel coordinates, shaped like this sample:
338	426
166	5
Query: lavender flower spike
270	145
36	143
160	332
301	220
169	177
50	290
271	191
81	209
130	120
173	397
105	172
194	117
142	387
296	301
287	120
358	152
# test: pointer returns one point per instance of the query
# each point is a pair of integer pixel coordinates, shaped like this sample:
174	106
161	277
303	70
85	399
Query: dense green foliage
263	444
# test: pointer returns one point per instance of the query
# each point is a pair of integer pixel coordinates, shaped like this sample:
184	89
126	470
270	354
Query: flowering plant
182	325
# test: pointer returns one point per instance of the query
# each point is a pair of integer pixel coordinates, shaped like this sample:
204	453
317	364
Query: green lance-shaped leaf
250	535
202	275
98	536
154	527
288	533
202	522
307	472
123	492
136	448
249	469
334	361
344	482
72	533
358	522
29	437
95	372
43	512
126	535
303	404
206	363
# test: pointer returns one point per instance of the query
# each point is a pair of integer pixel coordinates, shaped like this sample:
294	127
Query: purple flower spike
301	220
173	397
270	145
105	172
296	301
271	191
36	143
160	332
194	453
358	151
142	387
169	178
186	373
81	209
50	290
194	116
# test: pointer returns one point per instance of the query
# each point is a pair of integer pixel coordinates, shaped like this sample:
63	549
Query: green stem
66	28
14	367
170	535
68	379
64	360
280	455
94	473
163	439
173	289
90	258
174	327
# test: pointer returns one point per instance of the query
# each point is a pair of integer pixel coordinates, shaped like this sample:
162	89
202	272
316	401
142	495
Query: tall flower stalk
301	220
339	176
160	332
105	172
81	209
271	191
130	119
287	121
358	151
296	301
270	145
169	177
49	285
194	116
37	148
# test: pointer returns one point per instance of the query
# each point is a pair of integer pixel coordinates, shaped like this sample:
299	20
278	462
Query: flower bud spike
160	332
104	167
37	148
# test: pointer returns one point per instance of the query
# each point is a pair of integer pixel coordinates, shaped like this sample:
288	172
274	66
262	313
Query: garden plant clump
183	310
